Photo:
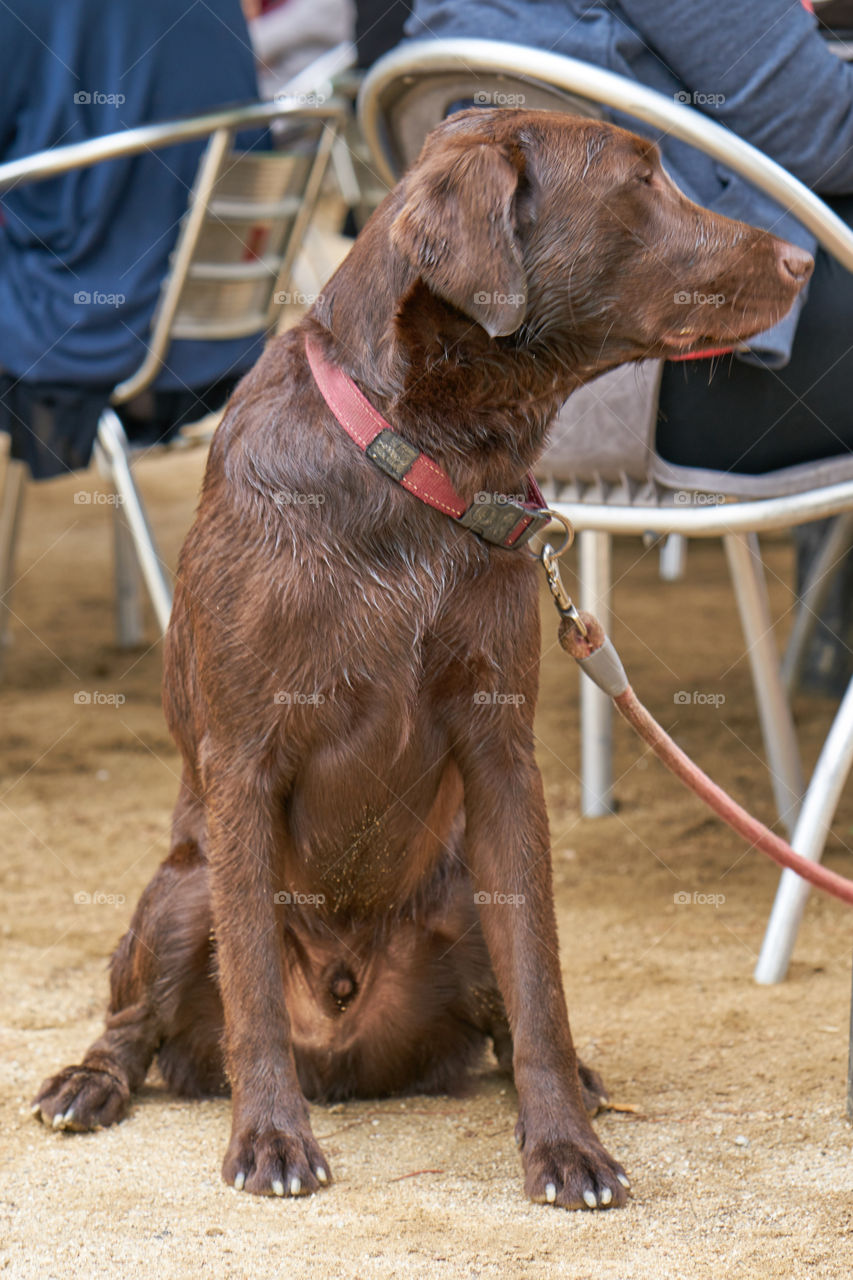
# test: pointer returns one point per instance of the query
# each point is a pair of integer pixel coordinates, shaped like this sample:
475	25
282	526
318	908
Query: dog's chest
364	838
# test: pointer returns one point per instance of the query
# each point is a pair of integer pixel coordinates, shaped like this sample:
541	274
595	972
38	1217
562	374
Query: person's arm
781	88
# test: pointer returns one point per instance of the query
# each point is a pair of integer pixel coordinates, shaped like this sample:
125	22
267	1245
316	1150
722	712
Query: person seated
764	71
83	255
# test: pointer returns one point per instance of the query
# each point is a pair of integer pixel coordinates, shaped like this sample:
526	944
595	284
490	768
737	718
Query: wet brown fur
346	793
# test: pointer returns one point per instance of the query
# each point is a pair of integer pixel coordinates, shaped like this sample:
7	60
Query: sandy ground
739	1149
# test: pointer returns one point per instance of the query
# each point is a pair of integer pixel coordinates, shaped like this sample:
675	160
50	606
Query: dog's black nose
342	986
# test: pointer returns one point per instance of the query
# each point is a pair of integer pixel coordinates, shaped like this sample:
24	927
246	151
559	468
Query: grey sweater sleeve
781	87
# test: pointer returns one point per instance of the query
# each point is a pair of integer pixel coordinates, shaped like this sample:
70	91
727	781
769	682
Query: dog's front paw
81	1098
270	1162
573	1175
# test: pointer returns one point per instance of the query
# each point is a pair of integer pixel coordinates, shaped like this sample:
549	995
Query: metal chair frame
135	549
548	79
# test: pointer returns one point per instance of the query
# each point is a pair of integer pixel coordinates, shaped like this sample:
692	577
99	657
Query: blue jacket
75	69
758	67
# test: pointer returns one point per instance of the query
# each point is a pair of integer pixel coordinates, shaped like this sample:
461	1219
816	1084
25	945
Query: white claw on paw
606	1196
295	1186
278	1188
590	1199
35	1110
625	1183
518	1139
68	1117
550	1193
240	1182
58	1120
322	1176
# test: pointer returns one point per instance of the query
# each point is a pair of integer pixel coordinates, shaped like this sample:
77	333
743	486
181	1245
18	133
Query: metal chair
608	480
229	270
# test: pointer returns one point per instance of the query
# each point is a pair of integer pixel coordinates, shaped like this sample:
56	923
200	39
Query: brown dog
359	889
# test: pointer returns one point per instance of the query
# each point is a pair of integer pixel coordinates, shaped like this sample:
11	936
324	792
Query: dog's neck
479	406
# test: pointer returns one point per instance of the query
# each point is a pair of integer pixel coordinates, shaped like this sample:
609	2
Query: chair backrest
245	220
604	435
412	104
245	223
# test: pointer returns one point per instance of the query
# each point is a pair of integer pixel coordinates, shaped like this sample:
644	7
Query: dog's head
555	228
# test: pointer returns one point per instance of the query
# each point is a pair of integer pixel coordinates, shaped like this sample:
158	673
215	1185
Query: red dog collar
498	519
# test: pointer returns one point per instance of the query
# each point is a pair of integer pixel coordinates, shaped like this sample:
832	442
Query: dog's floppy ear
457	228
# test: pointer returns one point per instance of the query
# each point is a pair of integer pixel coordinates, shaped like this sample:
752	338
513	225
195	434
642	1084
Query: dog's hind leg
165	949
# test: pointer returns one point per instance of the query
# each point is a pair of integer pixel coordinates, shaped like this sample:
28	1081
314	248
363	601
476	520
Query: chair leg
594	555
819	805
10	520
838	540
113	444
128	583
777	722
673	557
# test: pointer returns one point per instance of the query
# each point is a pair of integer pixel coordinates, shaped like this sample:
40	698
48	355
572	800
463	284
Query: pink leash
582	636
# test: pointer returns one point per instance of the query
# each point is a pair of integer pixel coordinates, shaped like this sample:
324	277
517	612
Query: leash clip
562	599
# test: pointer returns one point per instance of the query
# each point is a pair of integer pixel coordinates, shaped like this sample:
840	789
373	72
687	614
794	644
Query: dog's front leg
272	1149
508	851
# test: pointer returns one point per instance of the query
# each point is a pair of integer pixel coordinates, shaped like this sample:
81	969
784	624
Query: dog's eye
647	178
